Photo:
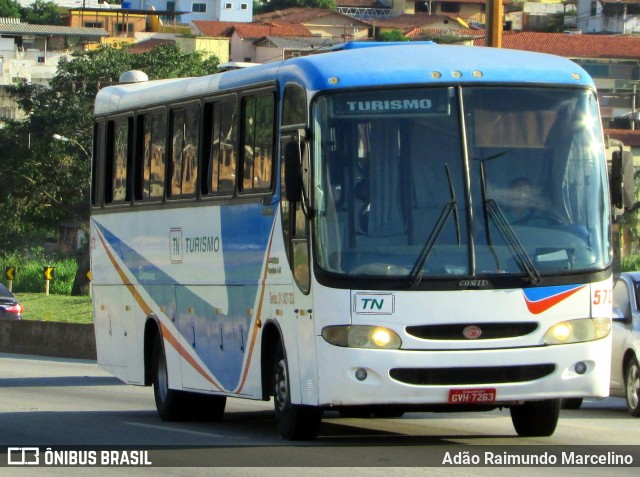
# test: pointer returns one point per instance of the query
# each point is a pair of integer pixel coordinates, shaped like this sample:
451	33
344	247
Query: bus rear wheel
536	418
295	422
169	402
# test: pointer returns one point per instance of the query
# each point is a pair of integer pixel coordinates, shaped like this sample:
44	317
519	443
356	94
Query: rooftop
51	30
572	45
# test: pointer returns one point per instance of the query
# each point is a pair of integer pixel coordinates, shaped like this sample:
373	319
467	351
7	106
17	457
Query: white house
608	16
222	10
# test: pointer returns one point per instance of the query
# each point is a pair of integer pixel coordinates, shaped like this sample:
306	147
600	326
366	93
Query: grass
65	308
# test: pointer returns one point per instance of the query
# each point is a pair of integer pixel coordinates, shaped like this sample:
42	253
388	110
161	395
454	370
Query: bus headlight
576	331
362	336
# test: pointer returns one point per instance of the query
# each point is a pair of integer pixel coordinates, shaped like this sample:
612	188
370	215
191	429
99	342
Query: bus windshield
459	181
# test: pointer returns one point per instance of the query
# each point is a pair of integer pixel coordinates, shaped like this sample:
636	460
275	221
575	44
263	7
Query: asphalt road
72	405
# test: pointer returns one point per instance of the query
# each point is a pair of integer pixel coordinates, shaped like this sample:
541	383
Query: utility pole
494	23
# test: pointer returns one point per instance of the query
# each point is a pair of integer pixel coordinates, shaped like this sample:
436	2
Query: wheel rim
282	386
633	386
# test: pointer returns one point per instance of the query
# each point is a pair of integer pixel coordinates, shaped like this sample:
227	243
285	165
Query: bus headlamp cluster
577	331
361	336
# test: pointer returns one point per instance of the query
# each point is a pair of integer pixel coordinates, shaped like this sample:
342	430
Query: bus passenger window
118	157
221	170
153	155
184	151
258	139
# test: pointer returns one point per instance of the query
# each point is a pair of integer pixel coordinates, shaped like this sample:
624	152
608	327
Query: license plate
472	396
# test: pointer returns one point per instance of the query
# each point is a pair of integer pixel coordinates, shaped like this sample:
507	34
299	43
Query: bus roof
388	65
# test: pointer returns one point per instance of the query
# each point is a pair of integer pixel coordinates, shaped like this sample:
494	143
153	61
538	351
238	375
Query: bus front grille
484	331
471	376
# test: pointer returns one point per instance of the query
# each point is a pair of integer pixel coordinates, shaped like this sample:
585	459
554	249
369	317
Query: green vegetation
38	13
30	272
631	263
68	309
264	6
29	286
44	182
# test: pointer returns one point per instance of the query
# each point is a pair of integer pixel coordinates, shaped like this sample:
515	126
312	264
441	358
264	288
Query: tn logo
374	304
23	456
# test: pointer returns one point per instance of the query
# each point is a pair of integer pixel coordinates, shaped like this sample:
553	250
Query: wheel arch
151	332
271	336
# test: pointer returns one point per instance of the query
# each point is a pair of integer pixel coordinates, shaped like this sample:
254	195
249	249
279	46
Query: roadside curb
48	338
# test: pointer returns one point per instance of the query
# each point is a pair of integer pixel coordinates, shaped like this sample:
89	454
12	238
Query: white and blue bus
372	230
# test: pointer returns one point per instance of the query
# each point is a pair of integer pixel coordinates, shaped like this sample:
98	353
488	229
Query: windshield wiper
451	206
492	210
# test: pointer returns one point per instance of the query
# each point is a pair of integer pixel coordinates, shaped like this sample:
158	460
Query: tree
43	181
41	13
9	9
393	35
264	6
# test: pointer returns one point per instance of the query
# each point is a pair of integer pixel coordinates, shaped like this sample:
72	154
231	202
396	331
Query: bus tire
388	412
632	387
205	407
355	412
536	418
571	403
169	402
295	422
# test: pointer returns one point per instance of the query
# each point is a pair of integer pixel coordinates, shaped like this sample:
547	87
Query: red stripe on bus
254	335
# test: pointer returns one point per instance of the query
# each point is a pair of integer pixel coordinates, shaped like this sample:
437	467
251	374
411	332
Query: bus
369	231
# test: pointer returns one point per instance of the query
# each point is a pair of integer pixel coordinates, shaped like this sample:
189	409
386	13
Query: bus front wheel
295	422
536	418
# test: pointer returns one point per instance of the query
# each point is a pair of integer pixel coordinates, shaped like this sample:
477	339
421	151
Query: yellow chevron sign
48	273
10	273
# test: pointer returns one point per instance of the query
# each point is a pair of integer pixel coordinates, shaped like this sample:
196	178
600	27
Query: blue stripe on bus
220	340
537	294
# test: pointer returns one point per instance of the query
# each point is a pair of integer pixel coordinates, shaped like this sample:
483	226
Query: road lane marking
185	431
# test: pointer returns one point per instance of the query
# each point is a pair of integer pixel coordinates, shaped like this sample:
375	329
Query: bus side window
294	106
118	160
294	229
220	169
185	129
153	155
258	138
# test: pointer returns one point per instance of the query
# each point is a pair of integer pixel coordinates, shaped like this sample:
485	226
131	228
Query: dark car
10	308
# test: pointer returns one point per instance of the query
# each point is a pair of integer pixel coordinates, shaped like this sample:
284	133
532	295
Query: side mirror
618	315
622	179
292	172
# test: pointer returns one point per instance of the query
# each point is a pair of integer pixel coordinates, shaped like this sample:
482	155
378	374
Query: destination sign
414	101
